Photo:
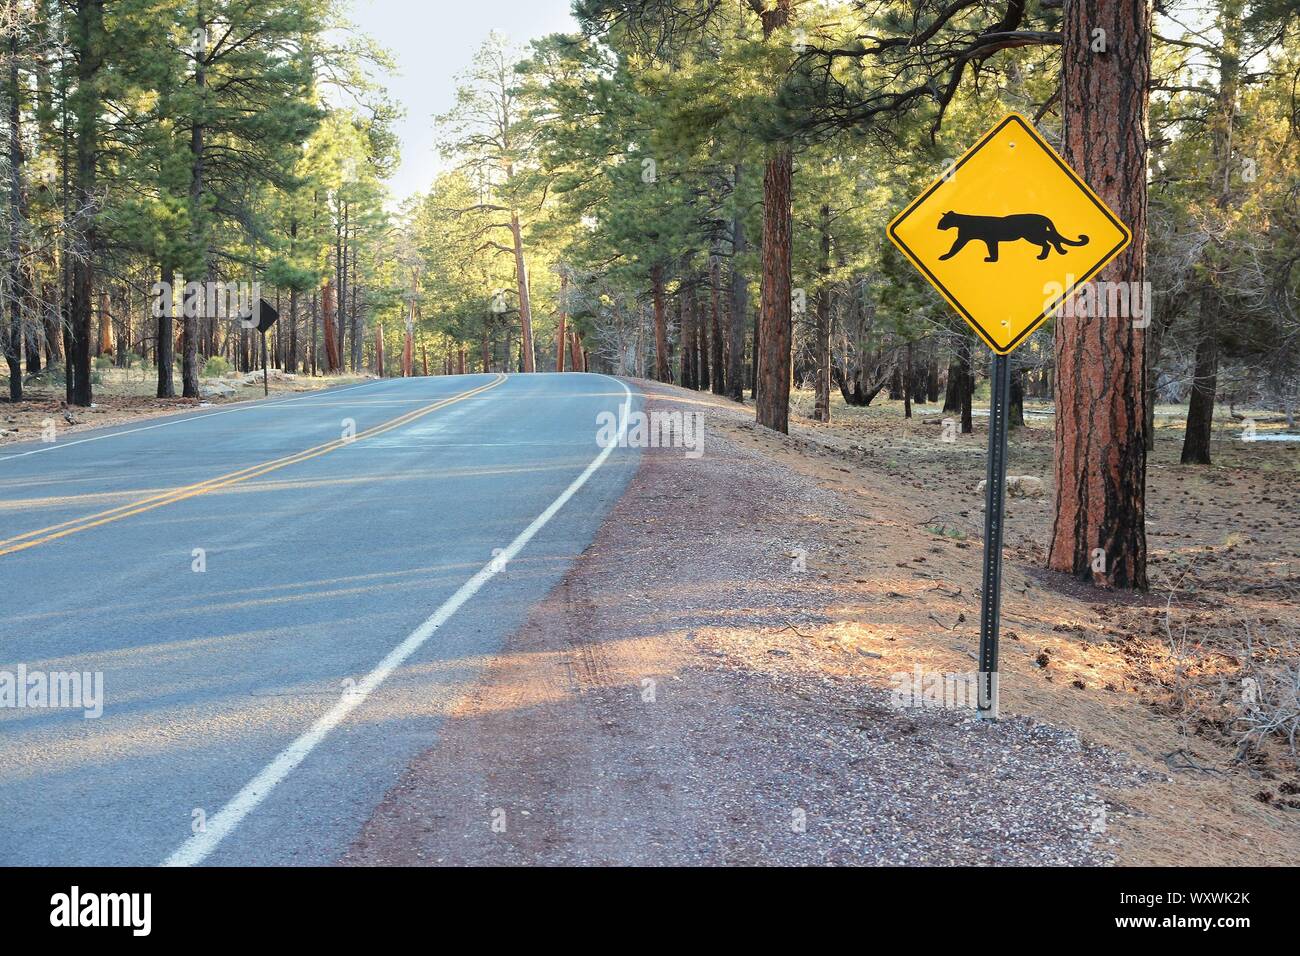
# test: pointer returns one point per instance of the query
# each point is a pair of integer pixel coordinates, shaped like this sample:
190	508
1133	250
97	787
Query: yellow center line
53	532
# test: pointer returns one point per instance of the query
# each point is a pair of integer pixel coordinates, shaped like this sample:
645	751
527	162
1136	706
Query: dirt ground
1158	677
716	679
127	395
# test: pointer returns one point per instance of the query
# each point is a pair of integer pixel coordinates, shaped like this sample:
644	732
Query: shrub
216	367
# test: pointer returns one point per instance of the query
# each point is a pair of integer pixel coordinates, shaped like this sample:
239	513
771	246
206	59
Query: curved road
282	597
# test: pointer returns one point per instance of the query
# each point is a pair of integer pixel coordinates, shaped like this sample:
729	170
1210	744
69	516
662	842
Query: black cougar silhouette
992	230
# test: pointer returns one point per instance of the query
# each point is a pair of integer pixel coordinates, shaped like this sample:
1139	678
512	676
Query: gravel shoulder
715	682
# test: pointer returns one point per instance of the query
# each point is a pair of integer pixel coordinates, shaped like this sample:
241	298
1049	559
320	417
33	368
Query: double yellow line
43	535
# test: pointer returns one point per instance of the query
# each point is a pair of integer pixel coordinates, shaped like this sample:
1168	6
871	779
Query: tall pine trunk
952	387
166	336
718	347
525	301
908	381
561	328
822	393
663	372
189	320
327	308
291	363
575	350
357	318
689	336
1100	449
18	296
738	303
1200	408
90	57
774	332
315	305
1205	382
702	343
1016	411
341	288
967	387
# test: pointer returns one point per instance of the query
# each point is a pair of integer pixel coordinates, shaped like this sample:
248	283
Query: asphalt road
255	711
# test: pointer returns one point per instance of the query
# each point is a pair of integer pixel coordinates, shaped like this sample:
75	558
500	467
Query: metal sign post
995	496
1005	260
261	317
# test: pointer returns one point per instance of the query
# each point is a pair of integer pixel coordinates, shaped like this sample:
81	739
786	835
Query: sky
432	41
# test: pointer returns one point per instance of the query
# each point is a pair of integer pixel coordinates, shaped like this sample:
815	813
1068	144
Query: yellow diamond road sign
1007	232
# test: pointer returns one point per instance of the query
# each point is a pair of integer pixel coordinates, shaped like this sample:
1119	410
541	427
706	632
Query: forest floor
717	679
122	396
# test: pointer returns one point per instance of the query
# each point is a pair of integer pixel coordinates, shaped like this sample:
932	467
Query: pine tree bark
107	341
822	344
738	304
315	346
561	328
165	355
718	349
1016	410
908	381
357	318
341	288
575	347
773	352
1100	448
18	295
89	44
332	361
292	360
189	319
952	387
1205	383
1200	408
967	385
662	371
525	302
686	311
701	343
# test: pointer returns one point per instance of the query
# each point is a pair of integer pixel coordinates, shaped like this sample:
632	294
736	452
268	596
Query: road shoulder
699	690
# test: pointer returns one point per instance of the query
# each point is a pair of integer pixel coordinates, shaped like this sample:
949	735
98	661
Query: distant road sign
265	317
1007	233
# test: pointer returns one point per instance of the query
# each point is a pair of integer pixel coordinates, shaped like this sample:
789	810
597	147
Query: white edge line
199	846
252	405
